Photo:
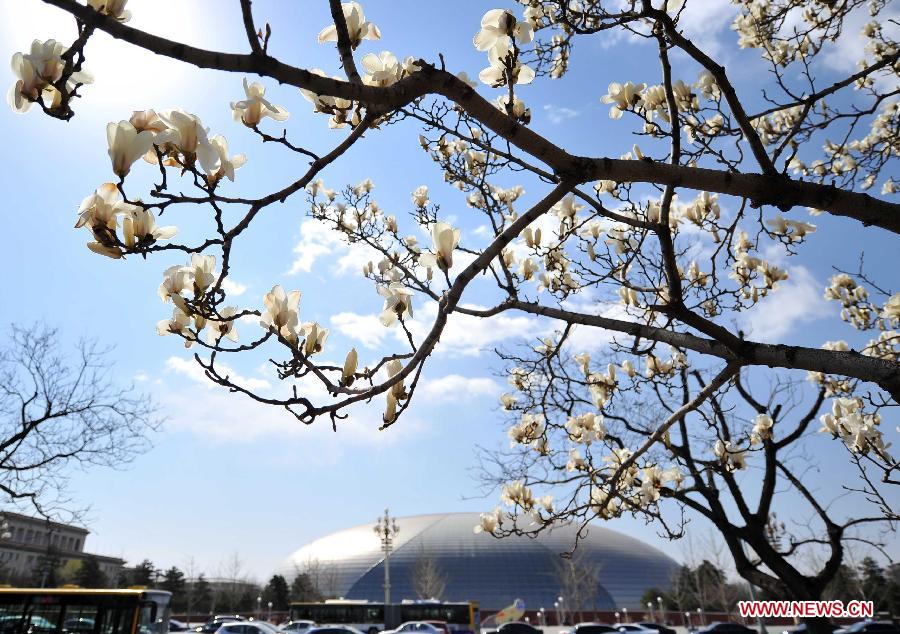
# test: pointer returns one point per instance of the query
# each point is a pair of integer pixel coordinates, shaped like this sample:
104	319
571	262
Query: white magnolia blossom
508	401
397	303
586	428
227	164
349	370
489	522
444	239
113	8
357	26
498	74
184	142
381	70
604	505
126	145
176	280
251	110
623	97
762	429
315	337
37	71
731	456
222	328
528	431
179	324
516	493
99	213
420	196
282	313
203	272
139	228
859	430
497	27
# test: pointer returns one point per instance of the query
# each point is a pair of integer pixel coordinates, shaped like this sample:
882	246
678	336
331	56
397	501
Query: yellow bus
82	611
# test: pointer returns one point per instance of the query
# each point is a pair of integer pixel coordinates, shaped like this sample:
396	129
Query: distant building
31	541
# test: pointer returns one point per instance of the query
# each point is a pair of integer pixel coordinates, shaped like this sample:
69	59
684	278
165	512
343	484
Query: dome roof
480	567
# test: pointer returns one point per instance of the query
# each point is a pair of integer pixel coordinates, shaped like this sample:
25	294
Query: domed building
479	567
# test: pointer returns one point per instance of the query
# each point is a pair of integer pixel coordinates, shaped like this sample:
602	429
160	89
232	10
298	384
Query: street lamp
562	610
687	618
617	617
662	614
650	610
386	528
700	616
625	611
541	617
258	607
270	612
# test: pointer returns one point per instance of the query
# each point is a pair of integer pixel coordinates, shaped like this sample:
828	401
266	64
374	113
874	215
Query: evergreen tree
144	573
46	568
845	585
89	574
303	589
277	592
874	583
202	595
173	581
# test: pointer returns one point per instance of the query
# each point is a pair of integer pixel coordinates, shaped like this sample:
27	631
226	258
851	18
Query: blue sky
226	475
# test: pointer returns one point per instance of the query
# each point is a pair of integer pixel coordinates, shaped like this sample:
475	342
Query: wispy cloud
455	386
559	114
796	302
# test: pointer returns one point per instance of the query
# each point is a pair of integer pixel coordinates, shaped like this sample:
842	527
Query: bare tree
578	581
428	577
60	411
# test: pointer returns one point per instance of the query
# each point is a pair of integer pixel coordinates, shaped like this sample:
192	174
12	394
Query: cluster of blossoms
500	35
37	74
854	299
651	102
858	430
731	457
747	268
196	278
520	497
282	317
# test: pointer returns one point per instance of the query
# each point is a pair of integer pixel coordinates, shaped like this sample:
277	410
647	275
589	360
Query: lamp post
562	610
687	618
258	607
650	610
617	617
269	619
625	612
662	614
700	616
386	528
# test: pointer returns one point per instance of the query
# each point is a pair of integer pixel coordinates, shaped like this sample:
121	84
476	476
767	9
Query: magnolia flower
227	164
282	313
37	71
622	97
147	120
186	135
349	371
762	429
224	328
497	27
113	8
357	27
202	271
315	338
99	212
139	228
397	303
126	145
176	279
508	401
179	324
497	74
382	69
444	239
420	196
490	522
251	110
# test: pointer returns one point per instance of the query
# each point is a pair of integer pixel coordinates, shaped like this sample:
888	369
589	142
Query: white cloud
233	288
318	240
190	369
559	114
455	386
366	329
797	301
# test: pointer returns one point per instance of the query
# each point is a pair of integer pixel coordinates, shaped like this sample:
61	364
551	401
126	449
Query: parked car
725	627
633	628
217	621
441	625
592	628
515	627
81	624
297	627
178	626
802	629
659	627
873	627
333	629
247	627
424	627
